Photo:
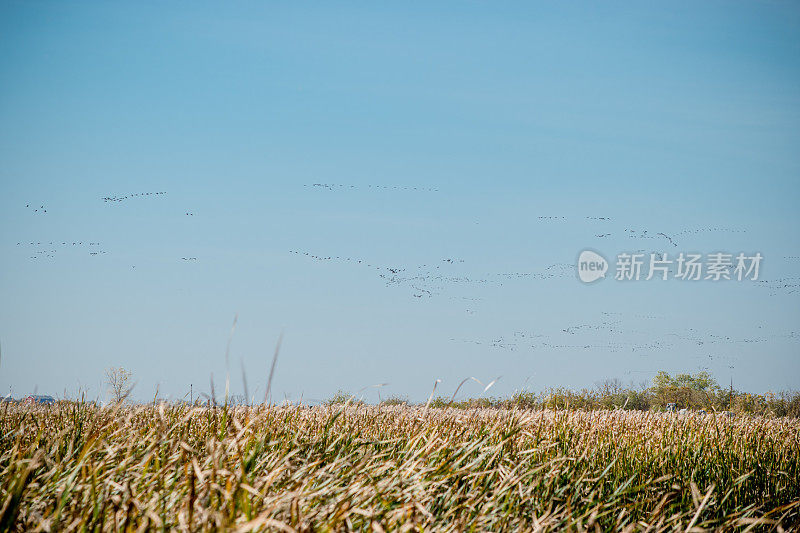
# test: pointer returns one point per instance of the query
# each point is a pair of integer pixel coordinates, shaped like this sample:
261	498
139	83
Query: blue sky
681	118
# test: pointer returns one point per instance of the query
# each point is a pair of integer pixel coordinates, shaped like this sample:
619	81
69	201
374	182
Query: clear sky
680	118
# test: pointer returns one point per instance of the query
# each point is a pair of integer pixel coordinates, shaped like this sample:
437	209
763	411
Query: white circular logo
591	266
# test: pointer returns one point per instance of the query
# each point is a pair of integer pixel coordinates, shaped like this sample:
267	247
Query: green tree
685	390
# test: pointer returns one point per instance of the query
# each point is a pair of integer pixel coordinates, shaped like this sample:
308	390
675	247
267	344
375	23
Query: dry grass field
77	467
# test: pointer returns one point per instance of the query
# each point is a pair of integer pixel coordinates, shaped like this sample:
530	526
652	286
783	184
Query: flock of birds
718	351
342	186
644	235
710	229
786	285
430	279
418	277
441	277
48	250
564	218
51	243
671	239
555	270
132	195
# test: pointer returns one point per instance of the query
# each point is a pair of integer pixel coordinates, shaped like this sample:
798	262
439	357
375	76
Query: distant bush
522	400
469	403
476	403
396	400
787	404
342	397
686	391
439	402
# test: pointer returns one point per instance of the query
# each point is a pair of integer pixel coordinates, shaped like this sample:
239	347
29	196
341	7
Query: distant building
40	399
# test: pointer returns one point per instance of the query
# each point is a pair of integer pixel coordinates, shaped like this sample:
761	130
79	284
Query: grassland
78	467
